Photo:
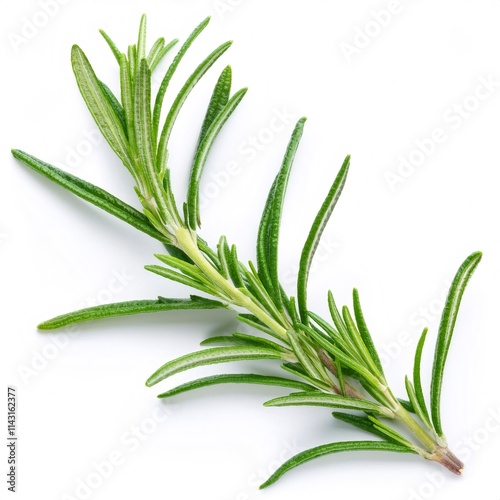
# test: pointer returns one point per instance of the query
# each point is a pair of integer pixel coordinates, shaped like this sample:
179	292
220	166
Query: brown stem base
447	459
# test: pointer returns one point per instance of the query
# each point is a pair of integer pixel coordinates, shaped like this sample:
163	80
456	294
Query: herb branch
330	363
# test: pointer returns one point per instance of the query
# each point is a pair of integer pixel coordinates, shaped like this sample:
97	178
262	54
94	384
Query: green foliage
329	400
332	365
446	328
328	449
93	194
237	379
268	238
210	357
314	237
129	308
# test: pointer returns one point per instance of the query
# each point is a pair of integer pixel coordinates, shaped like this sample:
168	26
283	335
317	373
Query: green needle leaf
263	241
222	251
115	104
268	236
127	309
277	209
127	95
327	449
218	101
210	357
237	379
417	380
99	106
314	237
233	264
445	334
365	333
132	59
93	194
145	147
330	401
155	50
170	73
343	331
290	306
207	141
141	41
358	341
111	44
420	410
181	98
153	63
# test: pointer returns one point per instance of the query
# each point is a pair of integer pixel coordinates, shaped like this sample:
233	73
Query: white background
81	397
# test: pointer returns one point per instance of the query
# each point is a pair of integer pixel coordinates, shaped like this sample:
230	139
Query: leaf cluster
330	363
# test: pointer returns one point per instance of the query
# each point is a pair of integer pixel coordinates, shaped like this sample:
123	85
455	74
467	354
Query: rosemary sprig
338	362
